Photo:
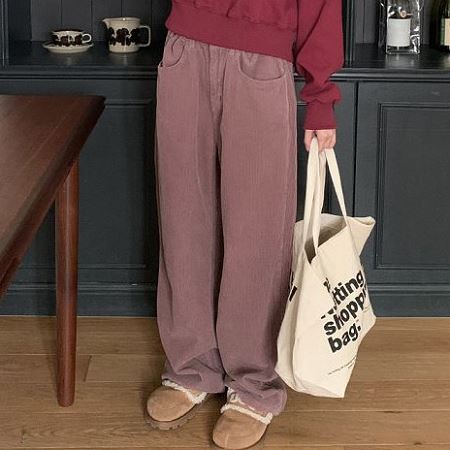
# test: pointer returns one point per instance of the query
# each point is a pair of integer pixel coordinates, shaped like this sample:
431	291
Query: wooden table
40	140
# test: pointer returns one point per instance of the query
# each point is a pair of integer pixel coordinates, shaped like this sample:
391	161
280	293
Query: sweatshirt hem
230	32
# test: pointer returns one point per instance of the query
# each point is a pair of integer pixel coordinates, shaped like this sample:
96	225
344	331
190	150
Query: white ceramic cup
70	37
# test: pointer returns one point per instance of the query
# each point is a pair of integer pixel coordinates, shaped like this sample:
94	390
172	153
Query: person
226	171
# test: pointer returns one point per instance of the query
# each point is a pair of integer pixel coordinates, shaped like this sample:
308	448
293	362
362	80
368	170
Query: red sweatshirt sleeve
319	52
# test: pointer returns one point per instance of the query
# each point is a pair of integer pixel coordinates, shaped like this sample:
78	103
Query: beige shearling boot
172	405
239	426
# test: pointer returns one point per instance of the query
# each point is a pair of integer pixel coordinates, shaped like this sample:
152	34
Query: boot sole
259	444
172	424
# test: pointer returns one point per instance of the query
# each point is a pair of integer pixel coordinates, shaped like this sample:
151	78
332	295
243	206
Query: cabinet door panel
118	222
403	143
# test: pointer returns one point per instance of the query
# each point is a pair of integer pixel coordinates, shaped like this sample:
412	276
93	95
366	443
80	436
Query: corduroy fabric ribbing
226	166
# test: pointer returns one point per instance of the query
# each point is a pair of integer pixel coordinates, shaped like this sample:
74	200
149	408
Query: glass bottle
398	28
440	25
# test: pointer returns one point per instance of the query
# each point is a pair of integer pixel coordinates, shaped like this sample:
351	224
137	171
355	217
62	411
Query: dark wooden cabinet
392	146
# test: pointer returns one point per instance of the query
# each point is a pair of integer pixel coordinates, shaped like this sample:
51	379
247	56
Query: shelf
31	56
370	63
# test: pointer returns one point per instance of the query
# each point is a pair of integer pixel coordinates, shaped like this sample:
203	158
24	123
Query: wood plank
401	366
88	431
396	447
364	427
36	335
369	367
406	341
127	398
124	368
295	429
379	395
92	397
412	323
21	369
209	448
139	335
295	447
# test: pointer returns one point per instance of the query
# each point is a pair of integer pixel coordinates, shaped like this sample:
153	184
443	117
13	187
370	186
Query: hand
325	138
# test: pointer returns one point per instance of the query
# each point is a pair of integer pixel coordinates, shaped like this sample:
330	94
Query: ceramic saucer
67	50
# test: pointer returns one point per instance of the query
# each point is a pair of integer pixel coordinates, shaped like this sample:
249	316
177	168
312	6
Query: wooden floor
398	398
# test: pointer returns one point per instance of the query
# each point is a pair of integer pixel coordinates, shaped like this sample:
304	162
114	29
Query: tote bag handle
317	161
312	186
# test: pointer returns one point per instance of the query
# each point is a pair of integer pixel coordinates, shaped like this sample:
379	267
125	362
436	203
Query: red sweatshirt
306	32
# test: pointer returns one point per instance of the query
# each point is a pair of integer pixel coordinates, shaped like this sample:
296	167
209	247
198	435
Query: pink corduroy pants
226	172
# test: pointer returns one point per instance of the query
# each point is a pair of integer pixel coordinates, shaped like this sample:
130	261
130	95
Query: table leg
66	246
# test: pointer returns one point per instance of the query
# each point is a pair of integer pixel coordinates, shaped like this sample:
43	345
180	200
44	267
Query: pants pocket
262	69
174	52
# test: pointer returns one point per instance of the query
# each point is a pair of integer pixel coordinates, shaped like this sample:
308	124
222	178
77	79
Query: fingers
325	138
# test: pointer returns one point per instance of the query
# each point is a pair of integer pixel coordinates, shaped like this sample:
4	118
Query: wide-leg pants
226	169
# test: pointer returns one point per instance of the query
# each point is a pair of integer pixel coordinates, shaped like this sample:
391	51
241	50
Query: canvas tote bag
328	310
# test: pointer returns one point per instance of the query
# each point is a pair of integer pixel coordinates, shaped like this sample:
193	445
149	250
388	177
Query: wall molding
118	299
139	300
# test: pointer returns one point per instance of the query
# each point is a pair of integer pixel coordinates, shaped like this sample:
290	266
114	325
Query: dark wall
33	19
3	38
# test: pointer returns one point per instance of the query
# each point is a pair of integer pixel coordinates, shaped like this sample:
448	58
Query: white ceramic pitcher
123	34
